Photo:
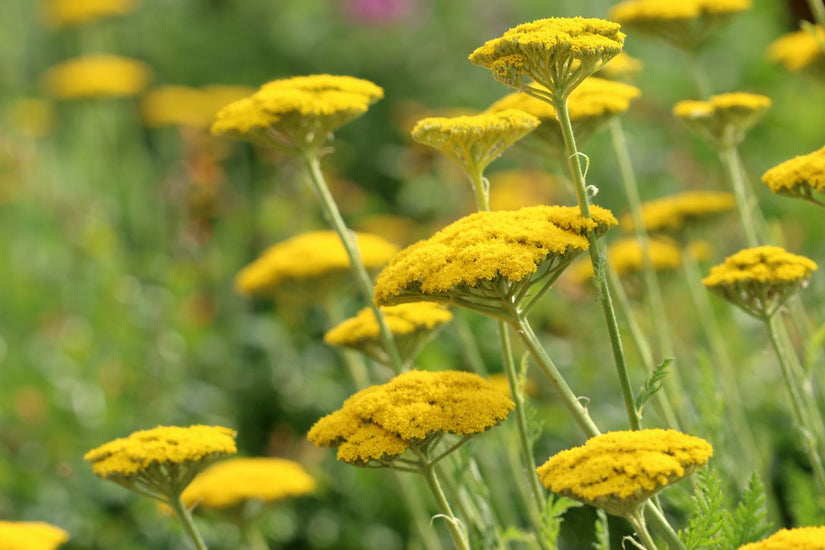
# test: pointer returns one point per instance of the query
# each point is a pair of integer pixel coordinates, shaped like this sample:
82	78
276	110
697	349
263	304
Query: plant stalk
185	517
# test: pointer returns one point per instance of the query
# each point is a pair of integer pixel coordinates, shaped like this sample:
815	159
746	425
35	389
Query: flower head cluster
724	119
686	24
98	75
759	280
30	535
517	188
619	471
76	12
475	141
799	176
186	106
414	408
557	52
483	258
621	67
799	50
799	538
676	214
297	114
625	257
233	482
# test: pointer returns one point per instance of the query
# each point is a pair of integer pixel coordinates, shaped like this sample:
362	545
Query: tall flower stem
185	517
700	74
818	10
745	201
453	525
637	519
252	535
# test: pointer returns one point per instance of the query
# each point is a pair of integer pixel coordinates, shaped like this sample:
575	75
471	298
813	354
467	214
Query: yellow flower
297	114
312	262
232	482
76	12
185	106
676	214
30	535
514	189
379	423
625	257
759	280
799	176
799	538
557	53
502	384
724	119
98	75
798	50
621	67
475	141
619	471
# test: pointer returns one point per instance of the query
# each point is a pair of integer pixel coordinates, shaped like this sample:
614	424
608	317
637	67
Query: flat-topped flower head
619	471
64	13
310	264
161	461
759	280
517	188
475	141
625	258
676	215
487	259
231	483
31	535
97	76
297	114
687	24
557	53
623	67
799	177
798	538
725	118
381	422
800	50
412	325
187	106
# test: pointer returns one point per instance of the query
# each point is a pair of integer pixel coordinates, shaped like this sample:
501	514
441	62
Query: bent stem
818	10
453	524
185	517
745	201
637	519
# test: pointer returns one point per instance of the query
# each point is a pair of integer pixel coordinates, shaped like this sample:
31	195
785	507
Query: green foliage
652	385
815	345
602	530
709	515
553	517
803	498
748	522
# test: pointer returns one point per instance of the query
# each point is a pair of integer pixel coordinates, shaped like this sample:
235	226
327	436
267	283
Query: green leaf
552	517
704	529
652	385
748	523
602	530
814	346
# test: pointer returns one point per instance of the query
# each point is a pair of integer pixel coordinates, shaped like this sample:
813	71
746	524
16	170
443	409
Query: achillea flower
231	483
475	141
799	538
98	75
621	67
619	471
76	12
381	422
799	50
514	189
500	381
312	263
686	24
411	324
557	53
185	106
625	257
30	535
297	114
675	215
799	176
487	258
724	119
759	280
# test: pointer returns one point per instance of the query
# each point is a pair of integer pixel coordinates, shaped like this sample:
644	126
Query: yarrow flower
618	471
31	535
799	538
625	258
621	67
799	177
725	118
514	189
799	50
76	12
98	75
186	106
759	280
675	215
415	408
557	53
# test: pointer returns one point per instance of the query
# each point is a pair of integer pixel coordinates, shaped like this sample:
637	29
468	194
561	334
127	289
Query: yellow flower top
799	176
475	141
618	471
232	482
621	67
725	118
557	52
799	538
30	535
311	258
676	213
403	319
381	422
797	50
493	247
625	257
76	12
297	113
514	189
98	75
186	106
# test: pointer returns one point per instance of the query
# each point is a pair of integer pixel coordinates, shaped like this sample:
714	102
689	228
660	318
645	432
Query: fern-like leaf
748	523
652	385
709	515
602	530
553	518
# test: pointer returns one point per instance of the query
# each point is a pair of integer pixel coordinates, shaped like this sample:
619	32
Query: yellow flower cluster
475	141
514	189
297	113
186	106
799	538
232	482
313	260
98	75
76	12
725	118
677	213
798	50
30	535
557	52
625	257
621	67
618	471
799	176
381	422
489	247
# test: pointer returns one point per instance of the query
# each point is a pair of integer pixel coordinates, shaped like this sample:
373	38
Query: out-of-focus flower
676	215
799	177
724	119
31	535
799	538
98	75
185	106
379	12
76	12
799	50
621	67
625	257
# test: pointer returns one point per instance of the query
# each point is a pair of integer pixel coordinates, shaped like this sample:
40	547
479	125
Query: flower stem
638	521
252	536
818	10
456	532
745	201
185	517
665	530
481	189
700	75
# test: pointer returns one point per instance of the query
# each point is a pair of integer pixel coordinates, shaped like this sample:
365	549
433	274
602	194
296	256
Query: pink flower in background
378	12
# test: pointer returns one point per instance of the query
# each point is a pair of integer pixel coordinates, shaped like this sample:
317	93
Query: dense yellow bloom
98	75
185	106
76	12
381	422
312	260
621	67
30	535
232	482
677	213
618	471
557	52
725	118
799	176
760	279
625	257
475	141
798	50
799	538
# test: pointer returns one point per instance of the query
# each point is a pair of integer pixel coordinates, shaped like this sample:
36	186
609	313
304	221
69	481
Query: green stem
663	527
637	519
185	517
252	536
456	532
415	504
745	201
700	75
481	189
818	10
